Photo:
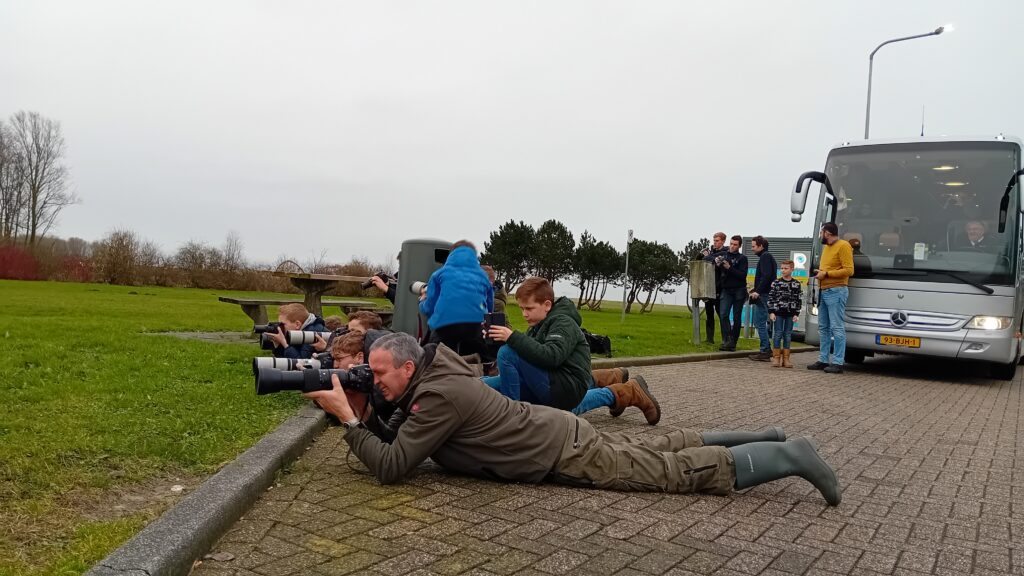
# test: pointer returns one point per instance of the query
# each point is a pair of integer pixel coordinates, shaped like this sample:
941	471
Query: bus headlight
990	322
814	310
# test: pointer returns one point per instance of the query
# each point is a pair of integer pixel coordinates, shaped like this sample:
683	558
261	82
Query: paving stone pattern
926	453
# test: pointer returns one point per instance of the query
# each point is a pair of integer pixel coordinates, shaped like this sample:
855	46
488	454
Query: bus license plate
903	341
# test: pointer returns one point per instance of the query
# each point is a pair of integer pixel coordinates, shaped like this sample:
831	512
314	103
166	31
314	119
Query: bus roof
924	139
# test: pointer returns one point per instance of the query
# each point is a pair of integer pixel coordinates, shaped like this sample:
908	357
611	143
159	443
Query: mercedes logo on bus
899	318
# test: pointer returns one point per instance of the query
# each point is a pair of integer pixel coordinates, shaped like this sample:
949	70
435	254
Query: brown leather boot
776	357
785	359
636	393
608	376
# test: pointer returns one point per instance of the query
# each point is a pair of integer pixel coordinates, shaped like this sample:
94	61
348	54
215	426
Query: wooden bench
256	308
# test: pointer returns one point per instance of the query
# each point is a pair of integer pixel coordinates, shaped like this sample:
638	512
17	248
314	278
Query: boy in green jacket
549	364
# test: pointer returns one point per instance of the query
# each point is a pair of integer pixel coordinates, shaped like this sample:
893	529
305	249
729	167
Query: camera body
355	379
264	328
494	319
384	276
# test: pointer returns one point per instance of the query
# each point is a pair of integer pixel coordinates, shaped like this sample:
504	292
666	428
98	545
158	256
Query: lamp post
871	64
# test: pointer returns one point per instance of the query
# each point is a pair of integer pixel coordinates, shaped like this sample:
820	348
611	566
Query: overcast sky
351	126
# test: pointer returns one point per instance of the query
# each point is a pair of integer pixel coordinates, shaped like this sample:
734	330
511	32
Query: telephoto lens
270	380
417	287
301	338
262	362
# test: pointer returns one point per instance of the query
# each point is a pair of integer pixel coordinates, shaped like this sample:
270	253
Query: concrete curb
170	544
680	358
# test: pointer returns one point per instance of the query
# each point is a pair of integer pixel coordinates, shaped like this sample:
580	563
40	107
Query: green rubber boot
761	462
736	437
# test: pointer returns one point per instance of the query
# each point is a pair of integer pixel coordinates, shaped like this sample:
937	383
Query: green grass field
100	415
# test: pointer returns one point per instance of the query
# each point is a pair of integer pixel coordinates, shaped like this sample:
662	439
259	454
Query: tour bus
936	229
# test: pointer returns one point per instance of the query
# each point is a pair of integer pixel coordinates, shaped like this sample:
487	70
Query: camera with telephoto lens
384	276
264	362
417	287
264	328
355	379
294	338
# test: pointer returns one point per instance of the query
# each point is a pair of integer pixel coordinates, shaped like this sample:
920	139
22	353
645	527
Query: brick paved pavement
927	462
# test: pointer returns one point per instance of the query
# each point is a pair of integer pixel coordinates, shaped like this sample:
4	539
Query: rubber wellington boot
736	437
636	393
608	376
776	357
786	363
762	462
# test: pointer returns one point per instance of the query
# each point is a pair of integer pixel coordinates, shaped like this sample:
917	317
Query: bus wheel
1003	371
854	356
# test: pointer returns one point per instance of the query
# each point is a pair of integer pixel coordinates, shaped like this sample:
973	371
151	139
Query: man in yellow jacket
834	271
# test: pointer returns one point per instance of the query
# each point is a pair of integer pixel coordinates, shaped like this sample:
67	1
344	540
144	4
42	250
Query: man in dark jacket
734	292
470	428
713	308
763	278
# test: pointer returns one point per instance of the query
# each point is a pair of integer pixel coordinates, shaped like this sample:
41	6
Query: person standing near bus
834	271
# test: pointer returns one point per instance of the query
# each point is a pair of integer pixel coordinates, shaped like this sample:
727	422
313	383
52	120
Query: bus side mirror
1004	204
798	201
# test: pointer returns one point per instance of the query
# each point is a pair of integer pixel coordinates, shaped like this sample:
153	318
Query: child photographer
294	317
457	296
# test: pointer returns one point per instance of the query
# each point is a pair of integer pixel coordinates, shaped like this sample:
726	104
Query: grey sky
354	125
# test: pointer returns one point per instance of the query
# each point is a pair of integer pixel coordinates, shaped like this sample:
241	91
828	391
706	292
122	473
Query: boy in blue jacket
295	317
457	296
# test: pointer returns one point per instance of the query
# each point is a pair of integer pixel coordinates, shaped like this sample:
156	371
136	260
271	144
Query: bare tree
41	146
12	186
232	257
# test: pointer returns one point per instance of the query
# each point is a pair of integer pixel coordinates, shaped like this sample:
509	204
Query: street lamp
871	64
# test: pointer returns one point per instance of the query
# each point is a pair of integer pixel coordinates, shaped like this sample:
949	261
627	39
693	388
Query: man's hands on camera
278	338
423	294
498	333
379	284
334	401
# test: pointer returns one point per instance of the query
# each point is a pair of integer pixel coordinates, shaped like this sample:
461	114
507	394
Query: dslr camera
384	276
264	328
355	379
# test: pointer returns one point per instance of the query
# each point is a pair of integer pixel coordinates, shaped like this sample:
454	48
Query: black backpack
598	344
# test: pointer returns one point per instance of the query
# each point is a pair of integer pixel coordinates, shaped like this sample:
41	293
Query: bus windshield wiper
978	285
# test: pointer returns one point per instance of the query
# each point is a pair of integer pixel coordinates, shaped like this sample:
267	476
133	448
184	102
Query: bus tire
1003	371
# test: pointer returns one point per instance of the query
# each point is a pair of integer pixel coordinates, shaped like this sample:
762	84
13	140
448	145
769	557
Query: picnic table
256	308
313	286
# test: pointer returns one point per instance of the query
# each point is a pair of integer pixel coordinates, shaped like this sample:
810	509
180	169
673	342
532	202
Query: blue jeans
759	313
595	398
732	307
832	323
519	380
783	332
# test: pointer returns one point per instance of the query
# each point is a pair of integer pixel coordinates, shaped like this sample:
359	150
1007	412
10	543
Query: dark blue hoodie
313	323
459	292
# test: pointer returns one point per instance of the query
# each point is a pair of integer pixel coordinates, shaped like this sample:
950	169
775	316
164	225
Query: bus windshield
922	211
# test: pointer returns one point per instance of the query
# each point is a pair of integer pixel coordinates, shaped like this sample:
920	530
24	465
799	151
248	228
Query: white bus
936	225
